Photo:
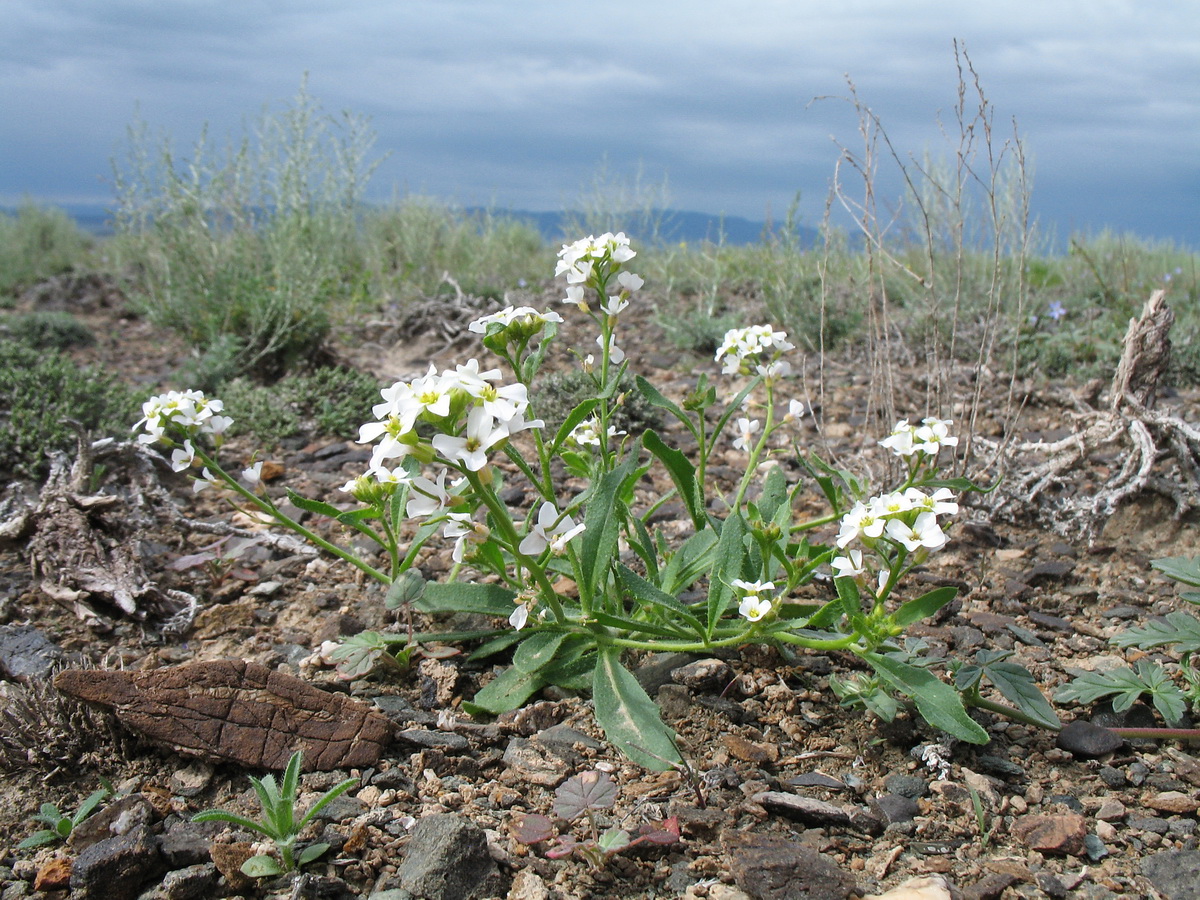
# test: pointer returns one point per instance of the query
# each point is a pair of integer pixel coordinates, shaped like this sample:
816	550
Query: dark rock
448	859
1051	885
564	739
1083	739
1070	801
656	671
1050	570
1153	824
400	711
196	882
186	843
674	701
1054	623
907	785
119	817
772	868
996	765
442	740
893	808
1173	873
817	779
118	867
819	813
990	887
703	675
1113	777
1122	612
237	711
1025	636
1094	847
321	887
26	653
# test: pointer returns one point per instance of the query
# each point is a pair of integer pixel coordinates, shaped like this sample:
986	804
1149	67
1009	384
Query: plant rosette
583	579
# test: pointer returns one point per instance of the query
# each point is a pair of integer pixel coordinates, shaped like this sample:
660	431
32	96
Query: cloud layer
518	104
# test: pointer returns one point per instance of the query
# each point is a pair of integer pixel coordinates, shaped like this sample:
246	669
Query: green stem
1010	712
272	510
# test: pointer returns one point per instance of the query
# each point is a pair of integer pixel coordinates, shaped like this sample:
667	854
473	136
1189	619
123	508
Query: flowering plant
583	579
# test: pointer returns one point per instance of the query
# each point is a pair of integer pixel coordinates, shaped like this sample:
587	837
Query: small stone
893	808
1111	810
192	779
996	765
817	812
1083	739
447	859
228	859
1105	832
1173	873
1052	834
749	751
440	740
1173	802
117	867
26	653
1152	824
907	785
1113	777
54	875
817	779
197	882
773	868
990	887
703	675
528	885
266	589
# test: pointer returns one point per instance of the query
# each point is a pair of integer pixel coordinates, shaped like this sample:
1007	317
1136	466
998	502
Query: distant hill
666	225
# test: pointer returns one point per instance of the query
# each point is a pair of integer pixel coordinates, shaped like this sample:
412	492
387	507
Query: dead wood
1158	451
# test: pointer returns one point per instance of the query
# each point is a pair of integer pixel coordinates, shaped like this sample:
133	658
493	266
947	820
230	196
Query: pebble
1152	824
907	785
1062	834
774	868
1173	873
703	675
1173	802
1111	810
1088	741
924	887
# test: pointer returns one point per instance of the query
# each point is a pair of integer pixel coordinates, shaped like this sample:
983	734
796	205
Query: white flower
183	457
614	306
630	282
746	429
940	503
795	411
575	296
859	521
253	475
892	504
743	346
552	529
587	433
900	441
204	482
849	566
924	532
615	353
482	433
395	476
519	617
461	528
428	497
754	607
933	434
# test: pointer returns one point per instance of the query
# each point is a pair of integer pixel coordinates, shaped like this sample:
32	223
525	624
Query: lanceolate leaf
683	473
538	650
646	592
924	606
726	567
603	528
508	690
488	599
630	719
939	703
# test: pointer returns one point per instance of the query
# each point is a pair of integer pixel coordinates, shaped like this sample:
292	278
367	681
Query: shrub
326	401
35	243
46	330
38	391
245	254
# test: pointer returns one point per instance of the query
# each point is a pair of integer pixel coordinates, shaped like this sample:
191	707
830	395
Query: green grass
37	242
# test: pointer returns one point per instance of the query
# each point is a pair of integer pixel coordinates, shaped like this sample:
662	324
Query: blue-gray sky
517	103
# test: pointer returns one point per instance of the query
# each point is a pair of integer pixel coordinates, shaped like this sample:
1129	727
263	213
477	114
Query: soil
762	726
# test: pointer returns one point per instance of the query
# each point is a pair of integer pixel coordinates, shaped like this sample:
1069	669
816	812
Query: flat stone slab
230	710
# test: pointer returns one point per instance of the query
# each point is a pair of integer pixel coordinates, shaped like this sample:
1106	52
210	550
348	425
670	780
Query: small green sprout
62	826
279	820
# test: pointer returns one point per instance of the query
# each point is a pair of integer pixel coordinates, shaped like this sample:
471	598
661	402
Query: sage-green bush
35	243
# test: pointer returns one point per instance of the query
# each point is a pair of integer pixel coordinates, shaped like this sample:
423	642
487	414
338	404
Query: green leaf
311	852
261	867
487	599
1180	568
689	562
937	702
727	566
924	606
1017	685
538	650
633	626
850	600
407	588
313	506
602	529
959	485
630	719
683	474
1178	628
655	398
508	690
220	815
1125	686
646	592
577	415
502	641
774	494
328	797
39	839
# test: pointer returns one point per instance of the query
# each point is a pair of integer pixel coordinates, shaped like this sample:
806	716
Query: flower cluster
745	350
592	263
186	415
512	325
925	439
492	414
908	518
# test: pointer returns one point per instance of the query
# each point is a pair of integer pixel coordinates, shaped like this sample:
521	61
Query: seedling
583	795
279	820
60	826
